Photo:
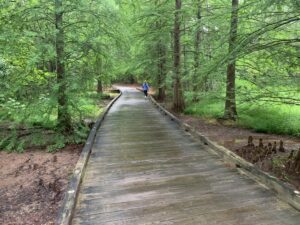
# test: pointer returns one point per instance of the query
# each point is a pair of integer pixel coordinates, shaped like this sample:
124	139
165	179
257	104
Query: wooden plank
144	170
66	211
283	190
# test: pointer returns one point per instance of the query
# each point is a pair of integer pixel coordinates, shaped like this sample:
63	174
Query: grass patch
276	119
265	118
207	107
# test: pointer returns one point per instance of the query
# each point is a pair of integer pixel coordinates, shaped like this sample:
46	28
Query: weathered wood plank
144	170
66	211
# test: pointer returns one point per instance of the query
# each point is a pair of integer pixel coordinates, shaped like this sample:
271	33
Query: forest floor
32	184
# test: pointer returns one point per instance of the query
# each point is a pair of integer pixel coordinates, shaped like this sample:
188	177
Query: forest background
235	60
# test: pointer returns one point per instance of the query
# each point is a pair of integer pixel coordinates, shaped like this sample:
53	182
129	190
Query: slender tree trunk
197	49
161	71
99	86
99	71
209	48
161	52
185	56
63	117
178	103
51	66
206	85
230	104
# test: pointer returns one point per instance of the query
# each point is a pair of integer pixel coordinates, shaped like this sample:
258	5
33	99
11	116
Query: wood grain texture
283	190
67	209
143	169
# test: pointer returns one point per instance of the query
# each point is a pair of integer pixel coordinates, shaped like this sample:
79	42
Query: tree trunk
51	66
207	85
63	116
209	48
161	71
99	86
197	49
178	103
185	56
230	104
161	52
99	71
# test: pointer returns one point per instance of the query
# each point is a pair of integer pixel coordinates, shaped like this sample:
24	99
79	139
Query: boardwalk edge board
283	191
66	211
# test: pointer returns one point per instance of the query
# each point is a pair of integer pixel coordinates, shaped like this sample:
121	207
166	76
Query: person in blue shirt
145	88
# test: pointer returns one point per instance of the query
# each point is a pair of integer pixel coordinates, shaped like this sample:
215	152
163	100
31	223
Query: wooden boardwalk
144	170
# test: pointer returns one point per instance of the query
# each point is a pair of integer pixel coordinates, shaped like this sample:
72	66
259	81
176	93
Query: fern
59	143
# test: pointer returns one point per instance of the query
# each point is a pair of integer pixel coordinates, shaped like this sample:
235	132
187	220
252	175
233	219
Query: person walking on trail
145	88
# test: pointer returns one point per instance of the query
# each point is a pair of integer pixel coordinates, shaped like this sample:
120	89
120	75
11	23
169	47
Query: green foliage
3	68
80	135
277	119
41	125
208	106
114	40
5	141
262	117
11	143
59	144
29	87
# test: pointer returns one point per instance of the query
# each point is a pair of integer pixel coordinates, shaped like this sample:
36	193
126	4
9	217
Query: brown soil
32	184
236	139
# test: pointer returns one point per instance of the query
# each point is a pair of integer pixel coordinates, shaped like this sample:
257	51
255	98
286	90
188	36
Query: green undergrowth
30	126
18	141
261	116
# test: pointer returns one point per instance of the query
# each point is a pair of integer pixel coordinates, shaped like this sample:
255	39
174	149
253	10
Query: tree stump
269	149
261	145
267	165
274	150
297	162
281	148
291	156
289	163
250	141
